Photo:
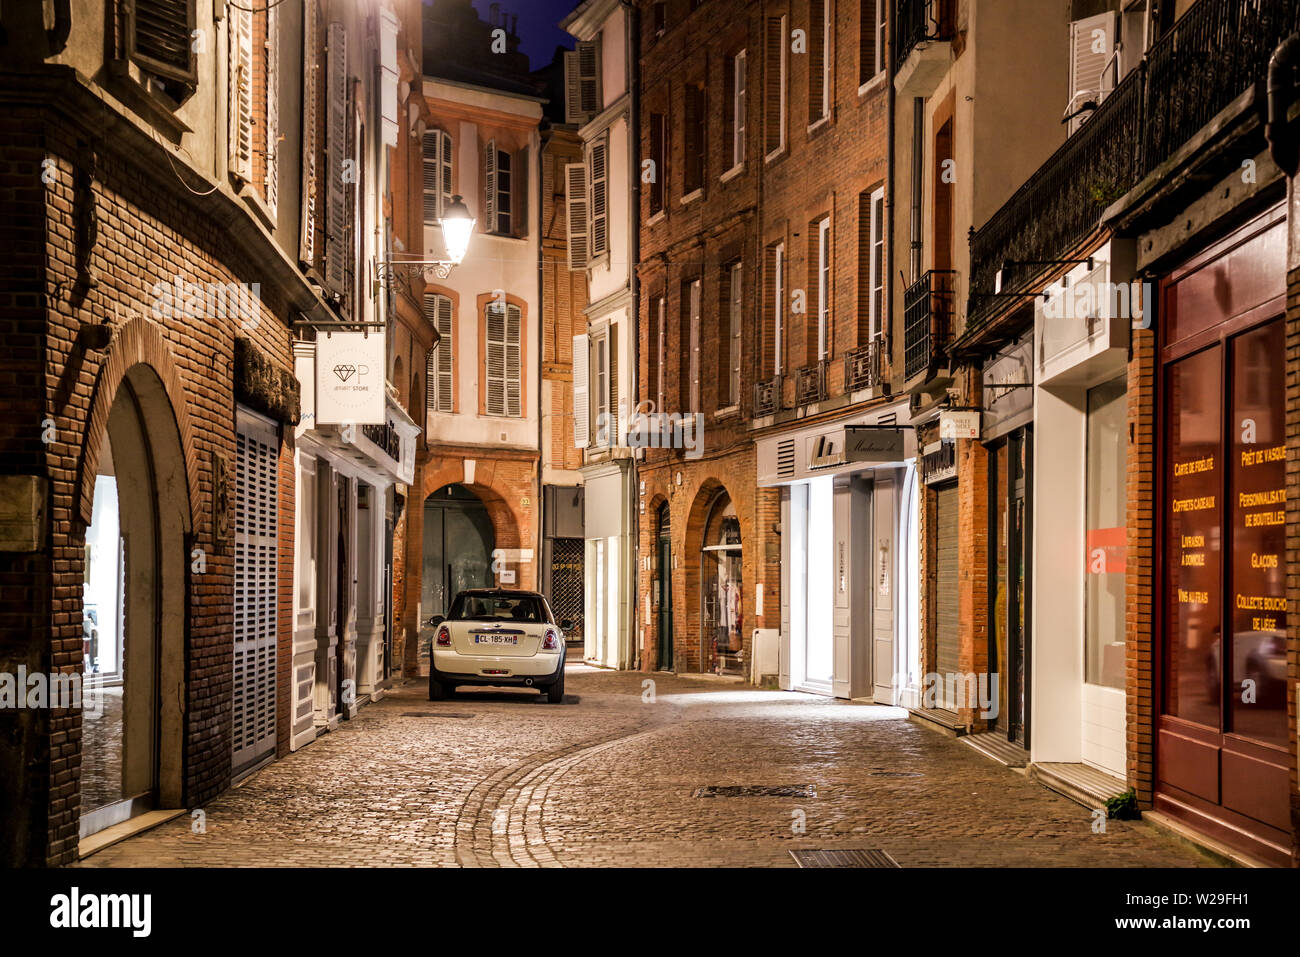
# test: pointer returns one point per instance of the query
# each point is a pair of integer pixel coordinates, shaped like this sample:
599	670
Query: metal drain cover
434	714
895	774
844	857
756	790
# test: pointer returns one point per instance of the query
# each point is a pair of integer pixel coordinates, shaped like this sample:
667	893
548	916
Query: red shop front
1222	763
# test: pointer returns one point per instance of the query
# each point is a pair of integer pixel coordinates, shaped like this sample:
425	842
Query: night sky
538	33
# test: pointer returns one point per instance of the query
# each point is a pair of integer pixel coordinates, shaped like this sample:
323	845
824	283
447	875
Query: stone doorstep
937	719
994	744
120	832
1182	833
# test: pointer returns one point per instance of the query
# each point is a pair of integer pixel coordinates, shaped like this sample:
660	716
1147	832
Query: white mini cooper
496	637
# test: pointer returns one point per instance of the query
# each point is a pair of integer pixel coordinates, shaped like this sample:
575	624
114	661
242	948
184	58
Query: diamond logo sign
350	378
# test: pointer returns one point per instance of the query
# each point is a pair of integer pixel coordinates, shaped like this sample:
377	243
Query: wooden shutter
693	165
336	135
494	359
514	372
273	107
774	85
310	139
159	36
438	374
490	185
737	306
738	109
256	598
614	417
599	232
866	40
573	89
816	60
878	263
581	405
446	165
432	155
240	104
575	175
864	267
589	78
1086	66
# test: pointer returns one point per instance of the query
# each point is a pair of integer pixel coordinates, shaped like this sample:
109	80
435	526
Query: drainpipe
891	110
1283	141
540	497
632	44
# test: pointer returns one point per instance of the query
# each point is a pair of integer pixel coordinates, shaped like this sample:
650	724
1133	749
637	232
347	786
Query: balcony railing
916	21
1212	55
767	396
927	319
810	383
863	366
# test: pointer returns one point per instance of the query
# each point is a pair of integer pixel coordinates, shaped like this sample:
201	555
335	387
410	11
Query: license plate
496	640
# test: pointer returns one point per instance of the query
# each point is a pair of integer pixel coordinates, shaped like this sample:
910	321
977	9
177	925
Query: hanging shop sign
350	378
959	425
870	443
939	461
1009	390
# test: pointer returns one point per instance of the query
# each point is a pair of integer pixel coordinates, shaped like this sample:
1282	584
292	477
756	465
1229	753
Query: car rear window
497	608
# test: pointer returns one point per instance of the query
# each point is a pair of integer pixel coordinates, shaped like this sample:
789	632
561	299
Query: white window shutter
572	89
240	104
738	144
589	78
495	360
446	162
599	196
446	350
695	347
490	185
432	156
575	175
310	141
336	133
514	361
1092	42
581	406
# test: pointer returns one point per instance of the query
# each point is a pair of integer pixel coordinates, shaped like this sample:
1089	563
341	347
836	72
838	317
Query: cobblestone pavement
608	778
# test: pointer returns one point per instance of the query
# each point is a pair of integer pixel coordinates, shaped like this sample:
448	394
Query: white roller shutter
1092	42
255	599
581	404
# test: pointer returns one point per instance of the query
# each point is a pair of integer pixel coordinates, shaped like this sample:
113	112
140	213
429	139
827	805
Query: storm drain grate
757	790
894	774
844	857
434	714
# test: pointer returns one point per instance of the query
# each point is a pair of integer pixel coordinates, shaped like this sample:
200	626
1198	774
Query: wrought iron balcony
916	21
927	320
1215	52
386	437
767	396
864	366
810	383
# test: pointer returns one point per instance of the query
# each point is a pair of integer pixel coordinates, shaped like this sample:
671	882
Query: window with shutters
575	184
729	384
693	130
602	427
337	124
598	198
691	300
659	162
871	39
159	39
440	370
271	139
309	223
822	263
240	93
819	60
1093	65
776	51
439	162
503	359
499	189
736	108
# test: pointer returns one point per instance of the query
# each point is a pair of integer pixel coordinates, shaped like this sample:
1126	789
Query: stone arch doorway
714	582
133	609
459	540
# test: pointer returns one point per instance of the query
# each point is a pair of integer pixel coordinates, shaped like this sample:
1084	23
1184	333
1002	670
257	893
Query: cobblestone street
609	779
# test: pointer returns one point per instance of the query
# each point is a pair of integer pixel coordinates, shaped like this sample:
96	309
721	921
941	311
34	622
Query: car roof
498	593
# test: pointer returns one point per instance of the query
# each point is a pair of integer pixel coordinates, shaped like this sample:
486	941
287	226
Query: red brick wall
1140	648
1293	539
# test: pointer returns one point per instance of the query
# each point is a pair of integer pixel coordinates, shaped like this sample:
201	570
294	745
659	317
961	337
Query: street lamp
457	228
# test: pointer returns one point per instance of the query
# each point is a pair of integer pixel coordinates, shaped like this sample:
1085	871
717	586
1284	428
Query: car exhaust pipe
528	682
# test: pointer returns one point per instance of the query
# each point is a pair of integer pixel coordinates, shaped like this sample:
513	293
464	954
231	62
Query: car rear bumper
541	668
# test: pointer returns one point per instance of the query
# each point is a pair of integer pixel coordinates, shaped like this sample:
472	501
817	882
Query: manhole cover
756	790
844	857
895	774
434	714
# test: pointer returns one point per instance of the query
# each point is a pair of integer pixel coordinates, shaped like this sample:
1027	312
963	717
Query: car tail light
552	640
444	637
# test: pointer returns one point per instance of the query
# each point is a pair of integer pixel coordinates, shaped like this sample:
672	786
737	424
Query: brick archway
687	613
506	521
138	342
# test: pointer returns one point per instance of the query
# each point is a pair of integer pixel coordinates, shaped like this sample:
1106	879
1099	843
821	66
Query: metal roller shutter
947	613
